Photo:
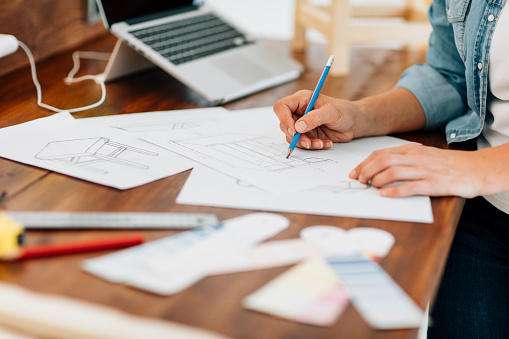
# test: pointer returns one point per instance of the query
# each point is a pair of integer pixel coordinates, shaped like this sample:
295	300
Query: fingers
385	165
287	107
405	171
311	143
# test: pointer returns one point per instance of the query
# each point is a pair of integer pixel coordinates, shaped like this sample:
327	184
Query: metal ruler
140	220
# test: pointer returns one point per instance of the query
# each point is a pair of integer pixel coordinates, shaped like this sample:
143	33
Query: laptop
197	46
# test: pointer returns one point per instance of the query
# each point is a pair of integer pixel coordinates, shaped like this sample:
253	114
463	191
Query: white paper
206	187
162	122
89	151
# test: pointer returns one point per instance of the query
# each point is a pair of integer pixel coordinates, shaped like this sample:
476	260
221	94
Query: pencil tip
288	153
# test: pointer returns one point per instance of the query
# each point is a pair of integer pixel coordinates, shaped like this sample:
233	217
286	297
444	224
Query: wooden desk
415	262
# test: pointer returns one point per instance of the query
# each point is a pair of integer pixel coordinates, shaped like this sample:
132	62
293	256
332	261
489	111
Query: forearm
395	111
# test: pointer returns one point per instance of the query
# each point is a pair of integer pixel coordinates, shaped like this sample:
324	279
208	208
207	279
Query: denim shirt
452	86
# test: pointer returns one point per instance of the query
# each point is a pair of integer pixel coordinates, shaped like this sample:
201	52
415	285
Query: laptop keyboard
192	38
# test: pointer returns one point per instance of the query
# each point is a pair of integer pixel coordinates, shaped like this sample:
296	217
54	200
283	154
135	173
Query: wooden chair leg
339	42
299	36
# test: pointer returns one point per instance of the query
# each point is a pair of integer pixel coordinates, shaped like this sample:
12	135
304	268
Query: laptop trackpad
241	69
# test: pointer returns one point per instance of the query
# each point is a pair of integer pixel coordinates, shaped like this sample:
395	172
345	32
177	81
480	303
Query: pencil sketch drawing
84	153
246	151
174	124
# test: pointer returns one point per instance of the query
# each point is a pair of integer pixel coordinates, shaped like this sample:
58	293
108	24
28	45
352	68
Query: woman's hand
331	120
424	170
338	120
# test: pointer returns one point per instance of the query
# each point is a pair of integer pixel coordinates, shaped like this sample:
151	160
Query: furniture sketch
246	151
344	22
85	152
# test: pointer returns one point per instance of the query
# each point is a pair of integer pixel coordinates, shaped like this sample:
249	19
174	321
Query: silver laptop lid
136	11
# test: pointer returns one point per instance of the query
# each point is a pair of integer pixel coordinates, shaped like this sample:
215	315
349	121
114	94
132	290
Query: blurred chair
344	22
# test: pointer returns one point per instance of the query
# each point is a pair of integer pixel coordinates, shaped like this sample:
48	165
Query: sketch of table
85	152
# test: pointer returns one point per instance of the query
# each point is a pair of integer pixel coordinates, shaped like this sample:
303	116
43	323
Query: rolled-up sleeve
440	84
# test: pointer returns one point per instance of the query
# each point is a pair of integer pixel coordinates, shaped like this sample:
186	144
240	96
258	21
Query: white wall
268	19
273	19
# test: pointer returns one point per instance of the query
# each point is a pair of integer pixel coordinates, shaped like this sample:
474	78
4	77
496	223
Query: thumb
310	121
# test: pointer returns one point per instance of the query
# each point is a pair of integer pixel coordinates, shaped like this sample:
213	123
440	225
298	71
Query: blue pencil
312	102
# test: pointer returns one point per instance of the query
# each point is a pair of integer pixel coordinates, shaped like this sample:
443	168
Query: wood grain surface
47	27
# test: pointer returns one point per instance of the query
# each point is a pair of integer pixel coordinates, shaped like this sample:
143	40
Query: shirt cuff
438	98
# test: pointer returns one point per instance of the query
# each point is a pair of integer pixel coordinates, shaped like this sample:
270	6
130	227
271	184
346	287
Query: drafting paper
207	187
88	151
248	145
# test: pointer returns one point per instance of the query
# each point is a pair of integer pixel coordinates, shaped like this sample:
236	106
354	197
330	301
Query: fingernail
352	173
306	144
301	126
317	144
292	133
328	144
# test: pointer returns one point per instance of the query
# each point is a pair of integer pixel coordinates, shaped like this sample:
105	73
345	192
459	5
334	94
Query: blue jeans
473	298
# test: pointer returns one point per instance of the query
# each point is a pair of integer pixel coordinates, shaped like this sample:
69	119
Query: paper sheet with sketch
207	187
89	151
339	197
249	146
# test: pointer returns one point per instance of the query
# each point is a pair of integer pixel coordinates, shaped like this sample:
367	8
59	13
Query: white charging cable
98	79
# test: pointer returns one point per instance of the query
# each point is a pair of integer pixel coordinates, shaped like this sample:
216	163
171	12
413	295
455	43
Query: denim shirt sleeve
440	84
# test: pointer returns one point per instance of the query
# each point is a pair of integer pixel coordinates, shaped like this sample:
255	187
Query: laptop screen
130	10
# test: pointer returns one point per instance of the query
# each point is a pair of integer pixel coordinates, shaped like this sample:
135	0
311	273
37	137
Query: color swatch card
231	260
312	292
378	298
336	241
130	266
315	241
309	293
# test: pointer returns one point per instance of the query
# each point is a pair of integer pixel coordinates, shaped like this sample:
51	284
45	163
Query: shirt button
491	18
479	65
452	136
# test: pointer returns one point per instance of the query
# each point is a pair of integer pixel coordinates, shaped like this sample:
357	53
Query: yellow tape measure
11	235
